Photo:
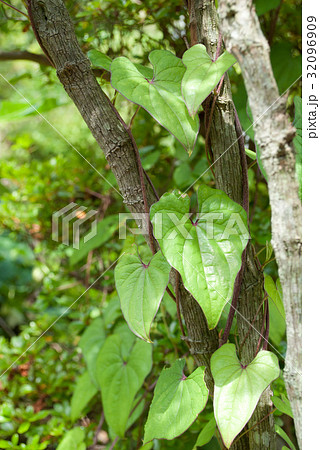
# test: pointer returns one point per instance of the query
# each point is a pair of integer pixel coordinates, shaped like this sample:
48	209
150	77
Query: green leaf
177	402
269	251
147	446
298	112
112	312
23	427
19	110
170	305
262	6
159	93
286	64
237	388
182	176
122	365
277	324
5	444
83	392
283	405
202	75
99	59
297	141
73	440
137	408
206	434
105	229
284	436
251	154
141	288
260	164
275	294
90	343
206	252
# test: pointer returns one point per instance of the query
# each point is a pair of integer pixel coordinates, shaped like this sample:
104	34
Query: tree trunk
274	135
54	29
230	176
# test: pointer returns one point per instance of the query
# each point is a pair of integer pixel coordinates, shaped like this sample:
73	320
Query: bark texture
230	176
55	30
274	134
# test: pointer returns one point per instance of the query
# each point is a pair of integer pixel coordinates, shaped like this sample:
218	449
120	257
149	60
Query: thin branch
253	320
152	186
98	429
266	263
178	303
16	9
266	336
25	55
263	329
274	23
133	117
171	294
114	443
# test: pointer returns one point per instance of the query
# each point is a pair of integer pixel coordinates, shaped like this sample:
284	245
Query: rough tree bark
55	30
274	134
230	175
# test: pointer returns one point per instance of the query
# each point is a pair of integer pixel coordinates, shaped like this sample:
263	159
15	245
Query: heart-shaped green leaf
285	437
99	59
73	440
158	92
237	388
141	288
206	252
122	365
177	402
202	75
283	405
206	434
274	291
83	392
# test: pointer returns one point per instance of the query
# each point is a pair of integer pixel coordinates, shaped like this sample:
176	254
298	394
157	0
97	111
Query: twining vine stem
253	320
177	279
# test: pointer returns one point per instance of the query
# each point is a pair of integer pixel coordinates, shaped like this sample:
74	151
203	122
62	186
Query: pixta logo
65	216
213	225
